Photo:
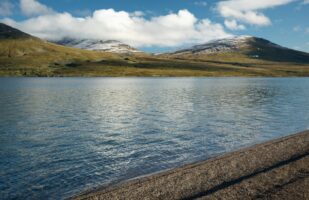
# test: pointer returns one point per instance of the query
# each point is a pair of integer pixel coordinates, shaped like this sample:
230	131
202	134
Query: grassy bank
148	66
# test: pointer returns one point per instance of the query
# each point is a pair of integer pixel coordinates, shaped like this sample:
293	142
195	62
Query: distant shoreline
154	76
274	169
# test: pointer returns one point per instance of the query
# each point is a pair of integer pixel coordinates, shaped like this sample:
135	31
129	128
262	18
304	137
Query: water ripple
61	136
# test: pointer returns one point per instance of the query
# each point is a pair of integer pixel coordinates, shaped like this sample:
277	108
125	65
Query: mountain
251	47
217	46
112	46
24	55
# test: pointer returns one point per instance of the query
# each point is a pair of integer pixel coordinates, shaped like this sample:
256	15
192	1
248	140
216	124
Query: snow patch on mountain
215	46
112	46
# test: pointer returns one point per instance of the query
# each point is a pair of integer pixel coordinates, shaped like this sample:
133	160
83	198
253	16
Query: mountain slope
244	46
267	50
112	46
23	52
7	32
217	46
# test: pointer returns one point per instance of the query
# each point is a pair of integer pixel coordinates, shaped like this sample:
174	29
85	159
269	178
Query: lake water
61	136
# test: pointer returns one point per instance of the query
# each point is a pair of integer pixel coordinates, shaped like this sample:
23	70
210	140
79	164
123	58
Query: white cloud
174	29
233	25
248	11
34	8
6	8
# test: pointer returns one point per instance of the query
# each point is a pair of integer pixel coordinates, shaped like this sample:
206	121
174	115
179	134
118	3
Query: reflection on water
60	136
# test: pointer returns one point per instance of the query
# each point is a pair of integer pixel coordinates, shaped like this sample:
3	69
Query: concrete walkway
278	169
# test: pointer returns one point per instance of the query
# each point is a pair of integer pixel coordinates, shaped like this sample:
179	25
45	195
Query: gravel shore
278	169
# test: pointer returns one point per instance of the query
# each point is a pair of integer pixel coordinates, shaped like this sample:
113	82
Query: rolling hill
24	55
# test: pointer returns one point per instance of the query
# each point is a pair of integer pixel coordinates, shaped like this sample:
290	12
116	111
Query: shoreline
159	76
274	169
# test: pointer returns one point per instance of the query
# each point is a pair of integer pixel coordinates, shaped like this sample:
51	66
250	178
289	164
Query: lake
62	136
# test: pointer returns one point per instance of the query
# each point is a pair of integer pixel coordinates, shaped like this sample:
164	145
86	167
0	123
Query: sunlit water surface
62	136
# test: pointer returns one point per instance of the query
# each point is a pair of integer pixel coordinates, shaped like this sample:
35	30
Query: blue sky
162	25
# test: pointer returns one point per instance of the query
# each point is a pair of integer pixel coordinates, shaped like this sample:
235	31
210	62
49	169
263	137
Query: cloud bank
170	30
174	29
247	12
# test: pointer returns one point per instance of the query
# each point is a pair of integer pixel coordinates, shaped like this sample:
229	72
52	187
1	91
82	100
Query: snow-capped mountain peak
113	46
219	45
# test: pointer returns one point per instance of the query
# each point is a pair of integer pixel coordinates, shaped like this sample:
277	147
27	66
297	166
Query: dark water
60	136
